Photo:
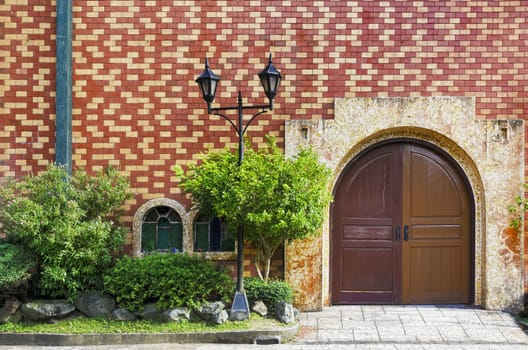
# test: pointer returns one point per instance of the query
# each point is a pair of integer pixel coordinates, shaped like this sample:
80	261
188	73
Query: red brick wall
136	105
27	84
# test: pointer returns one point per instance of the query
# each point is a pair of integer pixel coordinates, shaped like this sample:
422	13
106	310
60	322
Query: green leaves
270	292
101	194
66	222
518	209
17	267
275	198
171	280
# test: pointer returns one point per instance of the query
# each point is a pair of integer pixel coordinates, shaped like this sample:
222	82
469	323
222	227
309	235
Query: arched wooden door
401	229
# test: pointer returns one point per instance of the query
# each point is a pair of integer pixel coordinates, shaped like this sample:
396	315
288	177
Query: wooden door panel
376	286
379	278
434	192
435	259
371	233
367	193
366	212
435	232
435	274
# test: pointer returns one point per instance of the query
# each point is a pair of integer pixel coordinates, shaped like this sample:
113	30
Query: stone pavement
378	328
428	326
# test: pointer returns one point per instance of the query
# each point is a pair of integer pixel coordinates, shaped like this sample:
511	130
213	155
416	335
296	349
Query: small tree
275	198
69	223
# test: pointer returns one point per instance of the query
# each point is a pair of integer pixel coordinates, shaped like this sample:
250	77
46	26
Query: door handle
397	233
406	232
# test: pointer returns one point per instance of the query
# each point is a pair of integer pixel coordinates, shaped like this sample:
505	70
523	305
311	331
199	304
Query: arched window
161	230
212	235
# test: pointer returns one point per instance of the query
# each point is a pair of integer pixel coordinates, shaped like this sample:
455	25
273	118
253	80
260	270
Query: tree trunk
263	259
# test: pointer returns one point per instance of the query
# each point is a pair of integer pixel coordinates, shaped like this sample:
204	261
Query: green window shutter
215	235
228	245
148	237
176	236
201	238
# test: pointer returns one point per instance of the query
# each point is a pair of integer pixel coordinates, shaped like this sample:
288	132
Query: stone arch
489	152
157	202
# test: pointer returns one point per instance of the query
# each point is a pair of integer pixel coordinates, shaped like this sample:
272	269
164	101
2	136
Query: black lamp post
208	82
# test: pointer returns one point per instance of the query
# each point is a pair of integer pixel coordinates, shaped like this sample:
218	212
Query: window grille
212	235
161	230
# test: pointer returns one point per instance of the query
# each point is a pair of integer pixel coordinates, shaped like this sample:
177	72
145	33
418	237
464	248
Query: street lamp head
208	82
270	79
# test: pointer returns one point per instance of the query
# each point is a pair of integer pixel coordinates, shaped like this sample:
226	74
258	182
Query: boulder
15	318
9	310
95	304
11	305
173	315
153	313
285	312
220	317
177	314
296	315
213	312
44	310
149	311
260	308
122	315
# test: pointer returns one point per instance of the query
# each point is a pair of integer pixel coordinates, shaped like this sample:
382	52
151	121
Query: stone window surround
187	217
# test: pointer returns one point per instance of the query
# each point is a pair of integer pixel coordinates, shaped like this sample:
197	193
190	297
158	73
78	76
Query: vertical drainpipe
63	97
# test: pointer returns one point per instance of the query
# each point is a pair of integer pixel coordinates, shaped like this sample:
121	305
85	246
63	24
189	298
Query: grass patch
83	325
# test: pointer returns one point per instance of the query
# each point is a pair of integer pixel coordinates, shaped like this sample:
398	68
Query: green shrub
170	280
66	221
17	267
270	292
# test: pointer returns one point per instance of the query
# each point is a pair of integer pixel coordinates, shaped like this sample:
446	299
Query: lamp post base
240	307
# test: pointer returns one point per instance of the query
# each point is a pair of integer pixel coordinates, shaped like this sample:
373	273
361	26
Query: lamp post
208	83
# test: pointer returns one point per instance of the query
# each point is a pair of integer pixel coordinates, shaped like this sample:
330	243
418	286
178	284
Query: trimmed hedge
170	280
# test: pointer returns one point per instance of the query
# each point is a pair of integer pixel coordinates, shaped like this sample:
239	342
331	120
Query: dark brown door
401	229
366	257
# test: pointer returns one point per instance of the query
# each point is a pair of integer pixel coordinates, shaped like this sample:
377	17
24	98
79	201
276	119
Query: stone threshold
264	336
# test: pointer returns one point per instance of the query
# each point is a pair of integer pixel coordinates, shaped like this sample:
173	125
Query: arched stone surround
140	214
490	153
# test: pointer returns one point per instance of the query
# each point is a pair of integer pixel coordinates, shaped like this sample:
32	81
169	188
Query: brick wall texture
136	105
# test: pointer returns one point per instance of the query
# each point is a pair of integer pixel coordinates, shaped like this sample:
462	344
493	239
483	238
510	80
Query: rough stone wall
136	105
489	152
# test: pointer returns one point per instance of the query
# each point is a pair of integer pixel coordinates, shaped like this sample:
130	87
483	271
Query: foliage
102	194
17	267
172	280
275	198
270	292
66	221
518	209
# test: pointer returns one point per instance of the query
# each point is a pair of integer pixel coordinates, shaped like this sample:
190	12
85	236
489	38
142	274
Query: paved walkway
420	325
378	328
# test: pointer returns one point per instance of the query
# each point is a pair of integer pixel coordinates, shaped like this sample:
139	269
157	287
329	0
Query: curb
265	336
